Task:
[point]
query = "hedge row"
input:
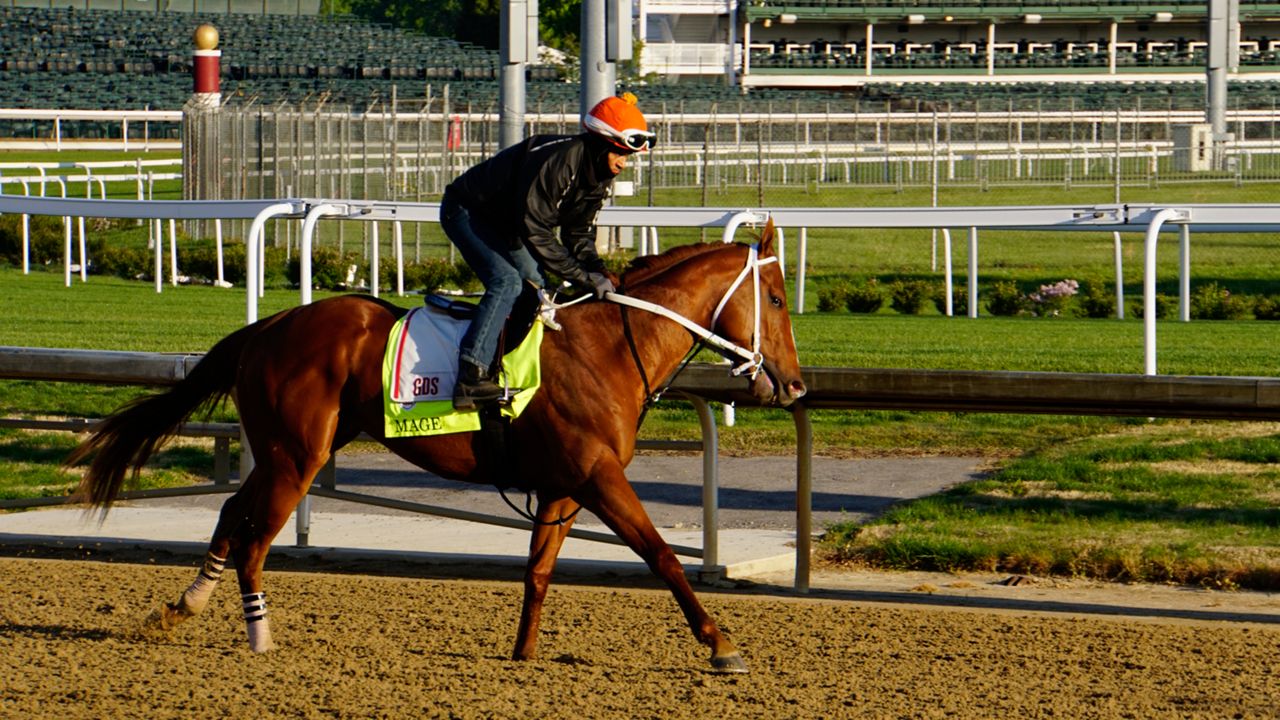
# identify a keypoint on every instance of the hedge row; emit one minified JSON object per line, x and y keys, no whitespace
{"x":198,"y":262}
{"x":1066,"y":298}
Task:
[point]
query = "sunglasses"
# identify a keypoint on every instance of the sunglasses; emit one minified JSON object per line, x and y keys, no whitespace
{"x":637,"y":140}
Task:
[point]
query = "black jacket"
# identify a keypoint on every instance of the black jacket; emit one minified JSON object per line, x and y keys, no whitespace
{"x":529,"y":189}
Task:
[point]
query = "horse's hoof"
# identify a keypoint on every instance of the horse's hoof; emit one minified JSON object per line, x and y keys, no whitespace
{"x":165,"y":618}
{"x":732,"y":663}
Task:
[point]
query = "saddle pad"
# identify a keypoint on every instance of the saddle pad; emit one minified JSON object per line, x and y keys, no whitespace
{"x":420,"y":368}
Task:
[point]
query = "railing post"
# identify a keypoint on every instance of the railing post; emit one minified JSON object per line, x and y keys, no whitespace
{"x":221,"y":461}
{"x":973,"y":272}
{"x":801,"y":261}
{"x":711,"y":569}
{"x":1118,"y":250}
{"x":254,"y":253}
{"x":804,"y":496}
{"x":1149,"y":284}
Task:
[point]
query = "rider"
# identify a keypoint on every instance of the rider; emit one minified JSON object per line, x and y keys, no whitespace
{"x":503,"y":213}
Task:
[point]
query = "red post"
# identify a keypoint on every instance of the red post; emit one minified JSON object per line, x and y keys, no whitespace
{"x":207,"y":65}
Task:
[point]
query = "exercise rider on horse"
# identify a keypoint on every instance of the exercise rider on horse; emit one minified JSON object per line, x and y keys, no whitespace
{"x":503,"y":213}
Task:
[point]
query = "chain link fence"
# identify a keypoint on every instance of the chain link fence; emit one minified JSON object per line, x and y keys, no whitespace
{"x":411,"y":150}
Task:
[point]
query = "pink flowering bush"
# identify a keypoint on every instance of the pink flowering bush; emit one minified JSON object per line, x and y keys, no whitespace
{"x":1052,"y":300}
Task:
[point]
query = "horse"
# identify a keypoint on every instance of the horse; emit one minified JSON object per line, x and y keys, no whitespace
{"x":307,"y":381}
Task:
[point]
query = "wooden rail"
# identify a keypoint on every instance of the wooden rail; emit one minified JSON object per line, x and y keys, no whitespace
{"x":1166,"y":396}
{"x":1171,"y":396}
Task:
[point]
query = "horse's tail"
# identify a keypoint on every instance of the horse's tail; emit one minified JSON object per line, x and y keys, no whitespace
{"x":124,"y":440}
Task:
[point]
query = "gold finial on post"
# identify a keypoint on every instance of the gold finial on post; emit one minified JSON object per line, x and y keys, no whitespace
{"x":205,"y":37}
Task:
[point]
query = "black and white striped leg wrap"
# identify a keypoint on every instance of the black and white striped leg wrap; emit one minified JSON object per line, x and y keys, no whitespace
{"x":255,"y":618}
{"x":197,"y":596}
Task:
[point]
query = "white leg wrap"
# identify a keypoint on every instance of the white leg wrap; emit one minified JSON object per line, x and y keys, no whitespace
{"x":197,"y":596}
{"x":255,"y":618}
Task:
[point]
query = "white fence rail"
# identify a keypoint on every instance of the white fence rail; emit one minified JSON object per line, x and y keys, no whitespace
{"x":1151,"y":220}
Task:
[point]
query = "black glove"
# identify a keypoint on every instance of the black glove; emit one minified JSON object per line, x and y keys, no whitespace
{"x":600,"y":284}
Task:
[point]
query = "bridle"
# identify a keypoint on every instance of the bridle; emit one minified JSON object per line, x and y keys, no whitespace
{"x":753,"y":359}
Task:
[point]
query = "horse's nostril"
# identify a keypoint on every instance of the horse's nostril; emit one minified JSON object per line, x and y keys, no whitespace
{"x":797,"y":388}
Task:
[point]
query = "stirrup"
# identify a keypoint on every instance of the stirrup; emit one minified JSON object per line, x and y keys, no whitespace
{"x":483,"y":389}
{"x":466,"y":398}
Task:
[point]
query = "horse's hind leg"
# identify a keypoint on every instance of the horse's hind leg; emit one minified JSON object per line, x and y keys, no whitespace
{"x":196,"y":597}
{"x":614,"y":501}
{"x":554,"y":520}
{"x":278,"y":485}
{"x":249,"y":521}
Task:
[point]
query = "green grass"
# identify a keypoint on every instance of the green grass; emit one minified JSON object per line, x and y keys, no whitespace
{"x":1165,"y":502}
{"x":1189,"y":502}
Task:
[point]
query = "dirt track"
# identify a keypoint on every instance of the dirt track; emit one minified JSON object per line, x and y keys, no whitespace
{"x":365,"y":646}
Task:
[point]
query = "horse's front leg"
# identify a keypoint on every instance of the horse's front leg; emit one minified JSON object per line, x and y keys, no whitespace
{"x":613,"y":500}
{"x":554,"y":518}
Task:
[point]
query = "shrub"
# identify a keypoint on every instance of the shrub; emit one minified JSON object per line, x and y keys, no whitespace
{"x":1052,"y":300}
{"x":1212,"y":302}
{"x":616,"y":262}
{"x":1097,"y":302}
{"x":959,"y":299}
{"x":1004,"y":299}
{"x":866,"y":297}
{"x":435,"y":273}
{"x":123,"y":262}
{"x":275,"y":268}
{"x":1165,"y":306}
{"x":1267,"y":308}
{"x":48,"y":237}
{"x":428,"y":276}
{"x":908,"y":296}
{"x":833,"y":298}
{"x":466,"y":278}
{"x":328,"y":268}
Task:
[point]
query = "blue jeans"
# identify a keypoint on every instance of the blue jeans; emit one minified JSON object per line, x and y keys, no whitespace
{"x":500,"y":268}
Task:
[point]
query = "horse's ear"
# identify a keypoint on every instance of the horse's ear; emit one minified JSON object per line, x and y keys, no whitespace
{"x":766,"y":238}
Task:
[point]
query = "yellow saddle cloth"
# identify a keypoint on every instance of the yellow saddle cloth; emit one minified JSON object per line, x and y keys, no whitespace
{"x":420,"y":368}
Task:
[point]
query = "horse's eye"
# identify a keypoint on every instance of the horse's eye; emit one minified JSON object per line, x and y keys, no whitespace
{"x":775,"y":301}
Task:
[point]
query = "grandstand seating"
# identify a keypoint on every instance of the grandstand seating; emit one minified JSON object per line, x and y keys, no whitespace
{"x":60,"y":57}
{"x":1057,"y":54}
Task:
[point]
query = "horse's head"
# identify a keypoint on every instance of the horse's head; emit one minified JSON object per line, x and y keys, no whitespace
{"x":755,"y":316}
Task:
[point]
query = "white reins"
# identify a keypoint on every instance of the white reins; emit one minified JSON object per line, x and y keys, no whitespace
{"x":753,"y":359}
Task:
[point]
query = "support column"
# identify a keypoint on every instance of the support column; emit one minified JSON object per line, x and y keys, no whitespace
{"x":598,"y":74}
{"x":991,"y":48}
{"x":1111,"y":47}
{"x":871,"y":36}
{"x":518,"y":45}
{"x":201,"y":147}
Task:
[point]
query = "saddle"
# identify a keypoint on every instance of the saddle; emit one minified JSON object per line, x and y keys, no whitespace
{"x":491,"y":442}
{"x":518,"y":323}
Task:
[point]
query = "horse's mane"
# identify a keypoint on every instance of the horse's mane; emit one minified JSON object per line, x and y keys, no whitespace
{"x":643,"y":269}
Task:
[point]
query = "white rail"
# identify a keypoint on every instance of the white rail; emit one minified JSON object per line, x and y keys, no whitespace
{"x":1150,"y":219}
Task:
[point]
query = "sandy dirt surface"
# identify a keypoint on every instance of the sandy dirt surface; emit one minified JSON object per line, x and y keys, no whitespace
{"x":72,"y":646}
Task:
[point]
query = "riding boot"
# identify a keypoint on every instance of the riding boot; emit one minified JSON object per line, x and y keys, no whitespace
{"x":475,"y":385}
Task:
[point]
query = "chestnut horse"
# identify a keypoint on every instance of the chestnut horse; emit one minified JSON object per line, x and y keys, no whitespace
{"x":307,"y":381}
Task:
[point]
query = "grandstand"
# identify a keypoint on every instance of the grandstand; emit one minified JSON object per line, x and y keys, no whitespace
{"x":66,"y":57}
{"x":70,"y":57}
{"x":853,"y":43}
